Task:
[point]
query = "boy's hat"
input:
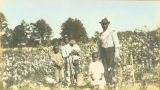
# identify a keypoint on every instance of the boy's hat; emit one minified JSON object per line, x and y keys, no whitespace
{"x":72,"y":42}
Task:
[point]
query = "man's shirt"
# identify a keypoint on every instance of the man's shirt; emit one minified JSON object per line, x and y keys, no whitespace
{"x":109,"y":38}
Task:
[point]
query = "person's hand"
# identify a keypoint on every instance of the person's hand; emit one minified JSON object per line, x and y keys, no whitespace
{"x":92,"y":77}
{"x":53,"y":62}
{"x":116,"y":59}
{"x":59,"y":67}
{"x":100,"y":78}
{"x":74,"y":52}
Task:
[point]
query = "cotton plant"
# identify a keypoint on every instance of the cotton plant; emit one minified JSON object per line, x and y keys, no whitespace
{"x":34,"y":64}
{"x":22,"y":66}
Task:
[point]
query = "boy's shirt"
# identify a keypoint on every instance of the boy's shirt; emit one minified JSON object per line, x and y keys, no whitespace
{"x":57,"y":58}
{"x":66,"y":50}
{"x":76,"y":48}
{"x":96,"y":69}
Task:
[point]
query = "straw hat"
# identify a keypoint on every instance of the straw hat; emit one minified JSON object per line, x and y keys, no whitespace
{"x":72,"y":42}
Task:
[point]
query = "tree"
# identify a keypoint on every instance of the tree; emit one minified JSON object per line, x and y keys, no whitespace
{"x":44,"y":30}
{"x":95,"y":37}
{"x":74,"y":29}
{"x":19,"y":35}
{"x":56,"y":41}
{"x":6,"y":38}
{"x":3,"y":22}
{"x":5,"y":31}
{"x":33,"y":35}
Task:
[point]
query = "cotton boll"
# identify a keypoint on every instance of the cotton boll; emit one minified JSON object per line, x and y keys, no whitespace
{"x":4,"y":84}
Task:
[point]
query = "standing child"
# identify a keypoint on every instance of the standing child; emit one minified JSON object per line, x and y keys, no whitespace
{"x":74,"y":62}
{"x":96,"y":71}
{"x":66,"y":50}
{"x":56,"y":57}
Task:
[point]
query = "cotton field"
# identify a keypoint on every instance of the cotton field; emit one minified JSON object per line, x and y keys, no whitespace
{"x":139,"y":63}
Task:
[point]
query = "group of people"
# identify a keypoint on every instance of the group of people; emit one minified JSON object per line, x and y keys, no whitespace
{"x":103,"y":66}
{"x":66,"y":62}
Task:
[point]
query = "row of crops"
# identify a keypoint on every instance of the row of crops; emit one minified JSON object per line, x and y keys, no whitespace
{"x":139,"y":58}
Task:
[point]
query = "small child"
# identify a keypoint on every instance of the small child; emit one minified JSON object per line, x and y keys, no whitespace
{"x":96,"y":71}
{"x":56,"y":57}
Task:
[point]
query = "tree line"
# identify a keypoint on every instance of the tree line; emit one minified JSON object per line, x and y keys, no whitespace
{"x":39,"y":33}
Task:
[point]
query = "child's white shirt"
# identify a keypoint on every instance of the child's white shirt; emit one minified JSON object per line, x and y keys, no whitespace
{"x":96,"y":69}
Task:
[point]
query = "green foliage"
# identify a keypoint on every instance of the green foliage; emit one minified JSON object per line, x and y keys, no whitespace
{"x":19,"y":35}
{"x":6,"y":36}
{"x":3,"y":22}
{"x":33,"y":36}
{"x":144,"y":46}
{"x":31,"y":65}
{"x":145,"y":61}
{"x":95,"y":37}
{"x":44,"y":30}
{"x":74,"y":29}
{"x":56,"y":41}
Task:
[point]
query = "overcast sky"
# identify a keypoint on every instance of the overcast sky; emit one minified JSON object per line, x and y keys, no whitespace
{"x":123,"y":15}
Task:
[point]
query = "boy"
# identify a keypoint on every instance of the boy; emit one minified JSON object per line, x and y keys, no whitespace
{"x":66,"y":50}
{"x":96,"y":70}
{"x":74,"y":61}
{"x":56,"y":57}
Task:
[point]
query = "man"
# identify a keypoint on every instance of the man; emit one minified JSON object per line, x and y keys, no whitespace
{"x":108,"y":48}
{"x":96,"y":70}
{"x":56,"y":57}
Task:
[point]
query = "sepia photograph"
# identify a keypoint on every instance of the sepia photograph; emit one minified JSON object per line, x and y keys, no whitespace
{"x":79,"y":45}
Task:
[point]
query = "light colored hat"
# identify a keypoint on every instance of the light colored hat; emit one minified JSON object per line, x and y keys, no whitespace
{"x":72,"y":42}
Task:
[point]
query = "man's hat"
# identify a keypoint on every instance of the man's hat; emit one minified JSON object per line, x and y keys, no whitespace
{"x":104,"y":21}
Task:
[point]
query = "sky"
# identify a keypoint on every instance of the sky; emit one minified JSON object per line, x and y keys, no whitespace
{"x":123,"y":15}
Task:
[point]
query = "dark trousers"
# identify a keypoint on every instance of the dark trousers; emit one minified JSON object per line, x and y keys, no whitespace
{"x":107,"y":56}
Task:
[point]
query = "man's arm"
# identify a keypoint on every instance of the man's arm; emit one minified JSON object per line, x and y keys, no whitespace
{"x":63,"y":52}
{"x":117,"y":45}
{"x":99,"y":47}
